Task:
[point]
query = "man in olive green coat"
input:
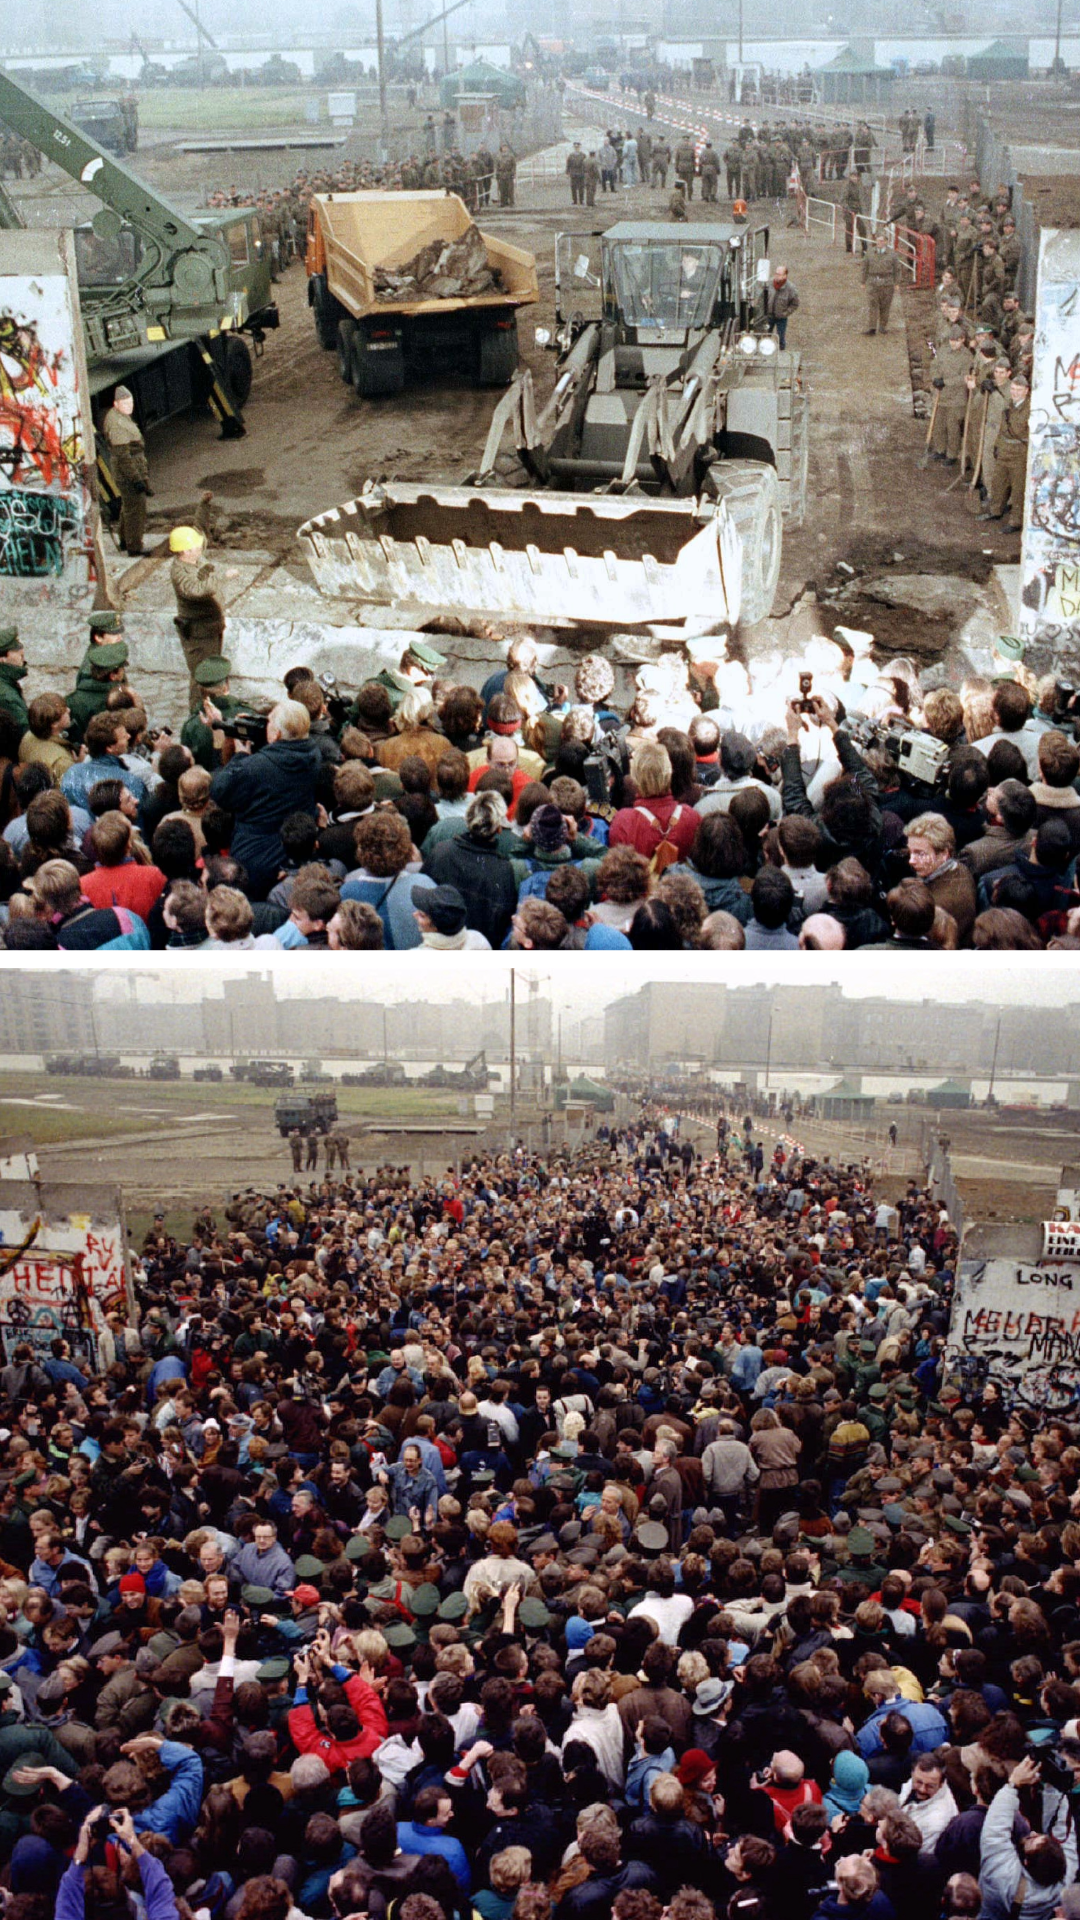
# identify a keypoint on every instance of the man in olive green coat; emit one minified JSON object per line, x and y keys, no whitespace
{"x":12,"y":671}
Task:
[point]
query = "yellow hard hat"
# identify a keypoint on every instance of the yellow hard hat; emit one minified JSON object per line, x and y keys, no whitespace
{"x":185,"y":539}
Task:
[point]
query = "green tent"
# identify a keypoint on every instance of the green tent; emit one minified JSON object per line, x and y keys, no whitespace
{"x":482,"y":77}
{"x":600,"y":1098}
{"x":1001,"y":60}
{"x":849,"y":79}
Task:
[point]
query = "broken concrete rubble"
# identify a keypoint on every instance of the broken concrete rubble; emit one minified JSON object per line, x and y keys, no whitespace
{"x":443,"y":270}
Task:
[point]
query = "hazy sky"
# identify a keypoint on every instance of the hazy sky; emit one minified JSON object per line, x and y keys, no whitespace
{"x":584,"y":983}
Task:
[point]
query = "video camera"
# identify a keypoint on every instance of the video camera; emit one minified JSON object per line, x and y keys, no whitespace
{"x":920,"y":756}
{"x":1065,"y":706}
{"x":247,"y":726}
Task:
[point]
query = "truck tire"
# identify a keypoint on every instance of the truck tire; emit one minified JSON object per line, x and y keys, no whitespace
{"x":327,"y":311}
{"x":377,"y":373}
{"x":346,"y":336}
{"x":238,"y":368}
{"x":497,"y":356}
{"x":752,"y":495}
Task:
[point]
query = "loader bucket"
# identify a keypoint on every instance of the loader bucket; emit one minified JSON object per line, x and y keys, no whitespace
{"x":559,"y":559}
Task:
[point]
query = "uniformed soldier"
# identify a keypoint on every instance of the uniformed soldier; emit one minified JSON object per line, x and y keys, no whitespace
{"x":201,"y":732}
{"x":418,"y":665}
{"x":854,"y":210}
{"x":953,"y":367}
{"x":991,"y":270}
{"x":487,"y":173}
{"x":200,"y":616}
{"x":1010,"y":250}
{"x":311,"y":1162}
{"x":677,"y":203}
{"x":296,"y":1144}
{"x":575,"y":169}
{"x":1011,"y":455}
{"x":710,"y":172}
{"x":995,"y":397}
{"x":343,"y":1146}
{"x":127,"y":453}
{"x":965,"y":247}
{"x":661,"y":161}
{"x":103,"y":666}
{"x":685,"y":162}
{"x":12,"y":670}
{"x":506,"y":175}
{"x":733,"y":169}
{"x":592,"y":178}
{"x":882,"y":272}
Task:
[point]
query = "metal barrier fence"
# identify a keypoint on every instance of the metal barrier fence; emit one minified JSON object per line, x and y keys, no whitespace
{"x":995,"y":167}
{"x":828,"y":217}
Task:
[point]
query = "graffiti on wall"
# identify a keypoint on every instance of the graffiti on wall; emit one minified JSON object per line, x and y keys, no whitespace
{"x":60,"y":1280}
{"x":37,"y":533}
{"x":1018,"y":1325}
{"x":1050,"y":589}
{"x":42,"y":455}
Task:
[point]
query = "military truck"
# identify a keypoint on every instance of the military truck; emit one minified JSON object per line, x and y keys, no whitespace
{"x":164,"y":1066}
{"x":207,"y":1073}
{"x":388,"y":1073}
{"x":270,"y":1073}
{"x":310,"y":1112}
{"x":112,"y":123}
{"x":360,"y":246}
{"x":672,"y":409}
{"x":473,"y":1077}
{"x":166,"y":298}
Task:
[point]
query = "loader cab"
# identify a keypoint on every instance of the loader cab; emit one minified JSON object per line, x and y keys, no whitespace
{"x":663,"y":285}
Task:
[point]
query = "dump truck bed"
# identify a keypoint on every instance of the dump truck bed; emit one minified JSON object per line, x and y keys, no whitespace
{"x":565,"y":559}
{"x":361,"y":232}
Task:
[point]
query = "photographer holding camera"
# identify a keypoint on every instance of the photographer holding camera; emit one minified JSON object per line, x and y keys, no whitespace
{"x":1025,"y":1881}
{"x":98,"y":1875}
{"x":261,"y":787}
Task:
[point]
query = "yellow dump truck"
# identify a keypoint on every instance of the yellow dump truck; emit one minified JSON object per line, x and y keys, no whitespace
{"x":404,"y":282}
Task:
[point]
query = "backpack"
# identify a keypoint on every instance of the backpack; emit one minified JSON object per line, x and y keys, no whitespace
{"x":665,"y":854}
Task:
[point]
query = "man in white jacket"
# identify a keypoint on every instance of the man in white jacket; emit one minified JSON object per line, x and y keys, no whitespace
{"x":928,"y":1800}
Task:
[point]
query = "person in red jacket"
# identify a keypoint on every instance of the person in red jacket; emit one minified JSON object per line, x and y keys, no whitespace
{"x":352,"y":1728}
{"x":655,"y":819}
{"x":119,"y":880}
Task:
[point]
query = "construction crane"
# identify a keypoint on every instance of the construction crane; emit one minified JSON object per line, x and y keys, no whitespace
{"x":155,"y":282}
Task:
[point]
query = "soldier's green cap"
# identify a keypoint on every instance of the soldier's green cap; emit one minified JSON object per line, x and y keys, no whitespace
{"x":24,"y":1479}
{"x":1026,"y":1475}
{"x":213,"y":672}
{"x":398,"y":1526}
{"x":425,"y":1600}
{"x":257,"y":1596}
{"x":860,"y":1541}
{"x":483,"y":1477}
{"x":276,"y":1668}
{"x":879,"y":1391}
{"x":110,"y":655}
{"x":651,"y":1536}
{"x":533,"y":1614}
{"x":19,"y":1789}
{"x":454,"y":1607}
{"x":9,"y":639}
{"x":427,"y":656}
{"x":400,"y":1636}
{"x":162,"y":1644}
{"x":894,"y":1515}
{"x":956,"y":1525}
{"x":357,"y":1546}
{"x":106,"y":620}
{"x":308,"y":1568}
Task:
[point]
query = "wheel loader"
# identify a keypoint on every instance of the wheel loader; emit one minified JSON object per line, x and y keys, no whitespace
{"x":648,"y":492}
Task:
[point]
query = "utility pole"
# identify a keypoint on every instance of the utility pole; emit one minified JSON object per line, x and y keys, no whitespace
{"x":513,"y":1053}
{"x":1057,"y":41}
{"x":997,"y":1029}
{"x":768,"y":1049}
{"x":384,"y":122}
{"x":385,"y":1045}
{"x":740,"y":44}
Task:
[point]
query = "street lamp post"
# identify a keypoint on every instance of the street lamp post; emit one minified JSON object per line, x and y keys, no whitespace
{"x":384,"y":123}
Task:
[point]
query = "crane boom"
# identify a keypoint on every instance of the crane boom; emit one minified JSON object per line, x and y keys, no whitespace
{"x":198,"y":25}
{"x":181,"y":280}
{"x":9,"y":212}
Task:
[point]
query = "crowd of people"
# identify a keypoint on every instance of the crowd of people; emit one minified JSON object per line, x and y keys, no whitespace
{"x":578,"y":1535}
{"x":845,"y":806}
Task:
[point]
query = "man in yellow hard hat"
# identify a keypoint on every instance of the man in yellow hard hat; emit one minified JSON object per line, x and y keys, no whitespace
{"x":200,"y":615}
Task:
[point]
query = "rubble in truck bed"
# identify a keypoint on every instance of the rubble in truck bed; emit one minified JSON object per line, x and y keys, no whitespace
{"x":443,"y":270}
